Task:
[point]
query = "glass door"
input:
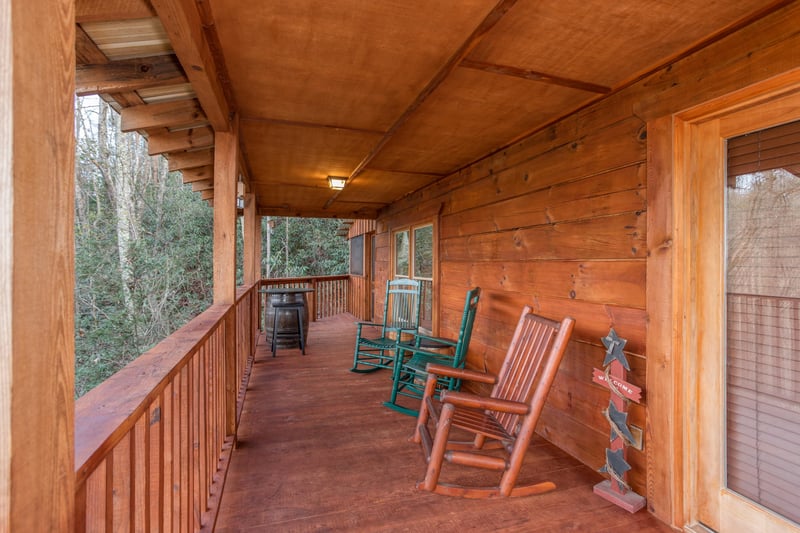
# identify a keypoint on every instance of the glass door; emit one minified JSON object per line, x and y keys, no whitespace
{"x":742,"y":340}
{"x":762,"y":440}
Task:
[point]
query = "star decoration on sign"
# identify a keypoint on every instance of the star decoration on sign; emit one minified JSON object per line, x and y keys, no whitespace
{"x":619,"y":424}
{"x":614,"y":346}
{"x":616,"y":466}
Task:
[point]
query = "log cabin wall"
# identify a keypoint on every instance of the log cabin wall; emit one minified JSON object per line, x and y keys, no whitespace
{"x":559,"y":220}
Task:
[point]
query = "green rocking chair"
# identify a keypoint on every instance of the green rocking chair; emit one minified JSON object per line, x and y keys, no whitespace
{"x":400,"y":320}
{"x":408,"y":378}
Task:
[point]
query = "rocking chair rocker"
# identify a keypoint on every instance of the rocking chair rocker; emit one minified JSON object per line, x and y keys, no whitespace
{"x":504,"y":421}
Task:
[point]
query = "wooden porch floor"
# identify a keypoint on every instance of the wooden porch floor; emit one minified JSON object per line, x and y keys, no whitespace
{"x":318,"y":452}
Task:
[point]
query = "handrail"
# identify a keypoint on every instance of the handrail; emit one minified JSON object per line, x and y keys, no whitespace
{"x":152,"y":441}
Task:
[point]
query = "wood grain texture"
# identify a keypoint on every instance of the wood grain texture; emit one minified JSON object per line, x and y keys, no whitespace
{"x":91,"y":10}
{"x":226,"y":154}
{"x":42,"y":36}
{"x":6,"y":257}
{"x":162,"y":115}
{"x":127,"y":75}
{"x":183,"y":24}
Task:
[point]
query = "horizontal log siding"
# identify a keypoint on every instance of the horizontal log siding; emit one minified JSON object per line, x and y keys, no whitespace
{"x":151,"y":447}
{"x":558,"y":220}
{"x":565,"y":231}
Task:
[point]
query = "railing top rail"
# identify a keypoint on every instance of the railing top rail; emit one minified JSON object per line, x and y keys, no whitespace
{"x":305,"y":279}
{"x":242,"y":290}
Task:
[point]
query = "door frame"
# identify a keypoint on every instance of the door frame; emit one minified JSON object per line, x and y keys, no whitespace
{"x":698,"y":299}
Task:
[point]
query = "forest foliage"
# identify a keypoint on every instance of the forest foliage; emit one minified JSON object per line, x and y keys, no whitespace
{"x":144,"y":243}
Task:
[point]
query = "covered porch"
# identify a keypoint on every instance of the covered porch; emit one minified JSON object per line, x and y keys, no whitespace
{"x":317,"y":451}
{"x":565,"y":155}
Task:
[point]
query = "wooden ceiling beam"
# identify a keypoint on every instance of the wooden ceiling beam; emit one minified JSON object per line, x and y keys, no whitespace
{"x":102,"y":10}
{"x":534,"y":76}
{"x":490,"y":21}
{"x":129,"y":75}
{"x":180,"y":141}
{"x":202,"y":185}
{"x":190,"y":175}
{"x":282,"y":211}
{"x":207,"y":195}
{"x":314,"y":125}
{"x":163,"y":115}
{"x":184,"y":27}
{"x":184,"y":160}
{"x":87,"y":52}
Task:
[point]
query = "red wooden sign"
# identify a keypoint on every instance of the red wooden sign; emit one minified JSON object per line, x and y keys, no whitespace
{"x":631,"y":392}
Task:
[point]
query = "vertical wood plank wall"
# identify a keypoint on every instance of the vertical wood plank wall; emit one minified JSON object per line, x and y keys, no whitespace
{"x":360,"y":286}
{"x":559,"y":221}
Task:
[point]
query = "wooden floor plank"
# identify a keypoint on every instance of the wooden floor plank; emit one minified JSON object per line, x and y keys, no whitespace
{"x":317,"y":451}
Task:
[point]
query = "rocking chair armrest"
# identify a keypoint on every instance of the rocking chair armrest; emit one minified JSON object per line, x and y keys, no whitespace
{"x":420,"y":337}
{"x":465,"y":399}
{"x":361,"y":324}
{"x":460,"y":373}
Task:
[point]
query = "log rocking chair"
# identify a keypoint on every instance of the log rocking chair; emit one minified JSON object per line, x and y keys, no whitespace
{"x":400,"y":321}
{"x":409,"y":372}
{"x":502,"y":424}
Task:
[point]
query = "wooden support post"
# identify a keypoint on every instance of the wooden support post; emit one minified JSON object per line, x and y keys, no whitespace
{"x":252,"y":260}
{"x":37,"y":73}
{"x":225,"y":177}
{"x":616,"y":489}
{"x":252,"y":240}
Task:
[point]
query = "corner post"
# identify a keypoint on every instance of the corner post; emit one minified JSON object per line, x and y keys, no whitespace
{"x":37,"y":272}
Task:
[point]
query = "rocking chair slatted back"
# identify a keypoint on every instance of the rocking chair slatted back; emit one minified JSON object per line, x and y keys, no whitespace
{"x":400,"y":320}
{"x":402,"y":305}
{"x":523,"y":364}
{"x":413,"y":358}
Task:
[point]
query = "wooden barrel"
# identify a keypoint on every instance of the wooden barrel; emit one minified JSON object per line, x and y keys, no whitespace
{"x":287,"y":319}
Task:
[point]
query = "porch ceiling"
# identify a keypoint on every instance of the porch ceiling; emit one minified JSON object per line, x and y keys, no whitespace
{"x":392,"y":95}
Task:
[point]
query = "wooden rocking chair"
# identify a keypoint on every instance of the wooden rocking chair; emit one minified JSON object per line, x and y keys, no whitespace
{"x":503,"y":421}
{"x":409,"y":372}
{"x":400,"y":319}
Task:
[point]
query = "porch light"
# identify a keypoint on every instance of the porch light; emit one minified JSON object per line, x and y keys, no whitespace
{"x":336,"y":182}
{"x":240,"y":193}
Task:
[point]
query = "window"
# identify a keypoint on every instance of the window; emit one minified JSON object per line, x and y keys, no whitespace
{"x":414,"y":258}
{"x":357,"y":255}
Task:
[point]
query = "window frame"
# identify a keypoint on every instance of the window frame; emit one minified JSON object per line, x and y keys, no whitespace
{"x":410,"y":230}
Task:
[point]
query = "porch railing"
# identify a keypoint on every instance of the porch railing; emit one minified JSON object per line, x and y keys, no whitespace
{"x":330,"y":294}
{"x":153,"y":441}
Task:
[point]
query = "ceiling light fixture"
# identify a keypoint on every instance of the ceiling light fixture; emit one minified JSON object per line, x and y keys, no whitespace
{"x":240,"y":193}
{"x":336,"y":182}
